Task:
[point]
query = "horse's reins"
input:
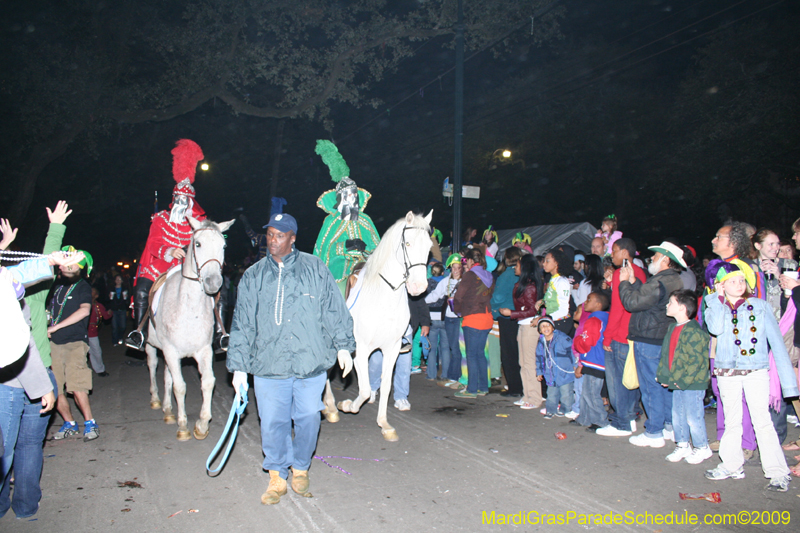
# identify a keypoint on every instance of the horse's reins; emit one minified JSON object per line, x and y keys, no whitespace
{"x":406,"y":260}
{"x":197,"y":268}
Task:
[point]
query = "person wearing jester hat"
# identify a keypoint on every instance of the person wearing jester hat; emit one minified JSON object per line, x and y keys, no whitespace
{"x":746,"y":332}
{"x":490,"y":240}
{"x":170,"y":232}
{"x":522,"y":241}
{"x":347,"y":236}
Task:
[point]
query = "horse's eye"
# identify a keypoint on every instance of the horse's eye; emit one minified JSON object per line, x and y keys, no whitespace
{"x":224,"y":246}
{"x":197,"y":245}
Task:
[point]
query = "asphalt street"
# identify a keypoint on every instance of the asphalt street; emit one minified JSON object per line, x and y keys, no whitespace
{"x":457,"y":462}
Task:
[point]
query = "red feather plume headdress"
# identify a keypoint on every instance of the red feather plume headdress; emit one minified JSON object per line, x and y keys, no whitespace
{"x":185,"y":156}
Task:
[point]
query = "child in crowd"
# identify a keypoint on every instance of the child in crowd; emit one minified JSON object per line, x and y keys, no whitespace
{"x":608,"y":232}
{"x":437,"y":338}
{"x":746,"y":329}
{"x":556,"y":366}
{"x":591,"y":361}
{"x":558,"y":292}
{"x":96,"y":317}
{"x":684,"y":370}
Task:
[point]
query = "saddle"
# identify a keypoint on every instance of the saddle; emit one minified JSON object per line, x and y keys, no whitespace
{"x":152,"y":301}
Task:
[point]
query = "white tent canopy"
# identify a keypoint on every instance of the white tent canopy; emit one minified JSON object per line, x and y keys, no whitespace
{"x":579,"y":235}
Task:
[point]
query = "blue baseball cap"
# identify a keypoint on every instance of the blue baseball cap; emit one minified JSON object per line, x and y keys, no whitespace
{"x":282,"y":222}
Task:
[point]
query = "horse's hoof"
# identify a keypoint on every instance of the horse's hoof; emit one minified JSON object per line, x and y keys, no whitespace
{"x":169,"y":419}
{"x":184,"y":435}
{"x":332,"y":417}
{"x":198,"y":435}
{"x":390,"y":435}
{"x":345,"y":405}
{"x":155,"y":405}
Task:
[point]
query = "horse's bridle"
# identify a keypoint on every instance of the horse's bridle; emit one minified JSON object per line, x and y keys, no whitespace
{"x":407,"y":264}
{"x":197,"y":266}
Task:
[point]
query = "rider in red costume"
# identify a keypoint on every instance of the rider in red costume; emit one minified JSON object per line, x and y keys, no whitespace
{"x":169,"y":234}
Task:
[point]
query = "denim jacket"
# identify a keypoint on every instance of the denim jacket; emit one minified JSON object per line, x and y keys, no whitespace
{"x":718,"y":321}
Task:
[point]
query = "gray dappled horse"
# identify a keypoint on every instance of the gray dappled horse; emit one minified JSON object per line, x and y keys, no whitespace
{"x":379,"y":306}
{"x":183,"y":325}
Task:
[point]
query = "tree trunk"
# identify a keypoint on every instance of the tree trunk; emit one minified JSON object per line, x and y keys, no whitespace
{"x":41,"y":155}
{"x":276,"y":161}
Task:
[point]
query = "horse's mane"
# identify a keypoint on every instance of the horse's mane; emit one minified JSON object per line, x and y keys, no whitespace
{"x":383,"y":252}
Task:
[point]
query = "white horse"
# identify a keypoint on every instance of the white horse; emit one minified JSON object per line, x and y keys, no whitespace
{"x":379,"y":307}
{"x":183,"y":325}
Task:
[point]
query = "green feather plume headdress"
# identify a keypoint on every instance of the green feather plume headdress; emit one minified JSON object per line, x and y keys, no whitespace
{"x":331,"y":157}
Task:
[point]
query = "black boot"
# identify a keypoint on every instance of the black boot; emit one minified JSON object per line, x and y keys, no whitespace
{"x":137,"y":338}
{"x":220,"y":342}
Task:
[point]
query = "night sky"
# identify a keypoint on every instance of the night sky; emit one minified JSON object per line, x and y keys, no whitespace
{"x":672,"y":115}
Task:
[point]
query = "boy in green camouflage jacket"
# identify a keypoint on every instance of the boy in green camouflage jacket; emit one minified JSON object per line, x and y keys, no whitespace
{"x":684,"y":370}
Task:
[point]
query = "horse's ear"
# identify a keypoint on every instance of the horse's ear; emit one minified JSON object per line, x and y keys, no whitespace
{"x":410,"y":217}
{"x":224,"y":226}
{"x":429,"y":217}
{"x":194,"y":223}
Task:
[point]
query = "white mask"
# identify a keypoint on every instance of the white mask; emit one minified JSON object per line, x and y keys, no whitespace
{"x":180,"y":205}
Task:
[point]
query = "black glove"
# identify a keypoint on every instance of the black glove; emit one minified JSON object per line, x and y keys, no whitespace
{"x":355,"y":244}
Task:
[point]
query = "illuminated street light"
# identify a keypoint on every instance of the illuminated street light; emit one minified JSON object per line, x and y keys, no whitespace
{"x":506,"y":153}
{"x":204,"y":166}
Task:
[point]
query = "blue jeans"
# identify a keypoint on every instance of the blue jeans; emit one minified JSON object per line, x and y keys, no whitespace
{"x":282,"y":402}
{"x":118,"y":324}
{"x":622,"y":399}
{"x":440,"y":350}
{"x":402,"y":374}
{"x":689,"y":417}
{"x":24,"y":430}
{"x":592,"y":409}
{"x":563,"y":395}
{"x":453,"y":328}
{"x":477,"y":365}
{"x":578,"y":386}
{"x":657,"y":400}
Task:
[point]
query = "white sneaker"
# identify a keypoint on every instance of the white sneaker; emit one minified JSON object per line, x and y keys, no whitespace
{"x":372,"y":396}
{"x":402,"y":405}
{"x":792,"y":419}
{"x":520,"y":401}
{"x":681,"y":451}
{"x":543,"y":411}
{"x":668,"y":434}
{"x":643,"y":440}
{"x":611,"y":431}
{"x":572,"y":415}
{"x":699,"y":455}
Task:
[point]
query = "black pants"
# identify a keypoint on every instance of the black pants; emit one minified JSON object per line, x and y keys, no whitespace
{"x":509,"y":353}
{"x":140,"y":299}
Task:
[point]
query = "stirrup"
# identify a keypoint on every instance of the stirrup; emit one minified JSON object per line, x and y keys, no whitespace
{"x":220,"y":343}
{"x":135,"y":340}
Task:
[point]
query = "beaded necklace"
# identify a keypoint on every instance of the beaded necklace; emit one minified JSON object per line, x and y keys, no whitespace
{"x":753,"y":340}
{"x":55,"y":321}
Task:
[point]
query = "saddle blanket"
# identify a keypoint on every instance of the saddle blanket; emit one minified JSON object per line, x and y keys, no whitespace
{"x":157,"y":295}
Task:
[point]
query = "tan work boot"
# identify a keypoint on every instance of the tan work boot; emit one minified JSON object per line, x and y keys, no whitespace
{"x":275,"y":489}
{"x":300,"y":482}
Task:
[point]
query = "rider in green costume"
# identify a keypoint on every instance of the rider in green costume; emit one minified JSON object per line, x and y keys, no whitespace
{"x":347,"y":236}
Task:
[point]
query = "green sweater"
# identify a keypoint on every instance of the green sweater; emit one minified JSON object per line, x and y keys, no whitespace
{"x":36,"y":296}
{"x":690,"y":364}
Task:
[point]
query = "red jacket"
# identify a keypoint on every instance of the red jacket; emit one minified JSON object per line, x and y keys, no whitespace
{"x":163,"y":236}
{"x":618,"y":317}
{"x":98,"y":314}
{"x":525,"y":305}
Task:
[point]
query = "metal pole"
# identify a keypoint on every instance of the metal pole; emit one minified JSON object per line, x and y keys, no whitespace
{"x":459,"y":128}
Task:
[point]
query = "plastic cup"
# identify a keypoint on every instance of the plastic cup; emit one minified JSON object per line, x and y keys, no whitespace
{"x":789,"y":274}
